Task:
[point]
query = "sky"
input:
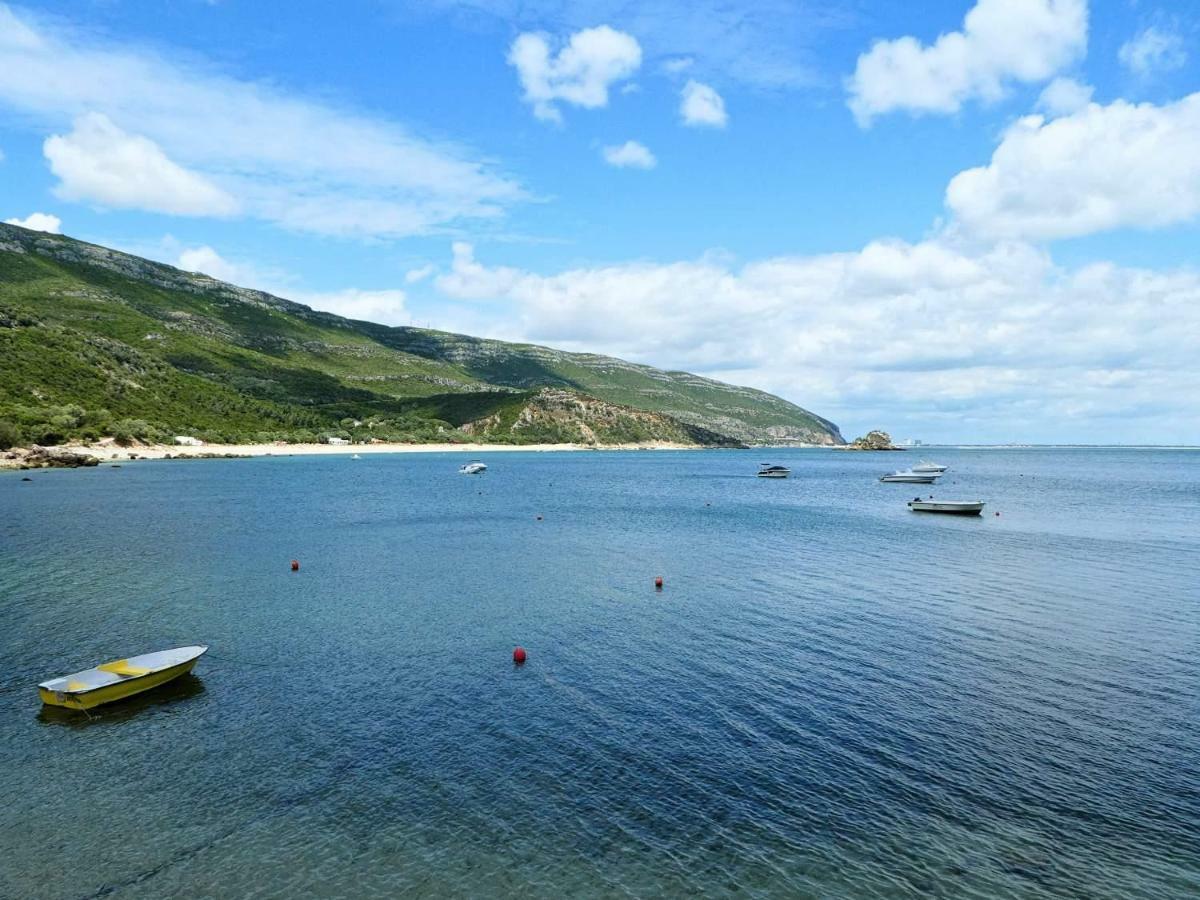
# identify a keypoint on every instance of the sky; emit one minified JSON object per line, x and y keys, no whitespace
{"x":960,"y":221}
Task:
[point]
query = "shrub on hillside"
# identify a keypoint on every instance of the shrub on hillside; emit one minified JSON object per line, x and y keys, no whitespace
{"x":10,"y":435}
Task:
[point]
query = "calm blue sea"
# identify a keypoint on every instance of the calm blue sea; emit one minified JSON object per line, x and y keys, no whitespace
{"x":831,"y":696}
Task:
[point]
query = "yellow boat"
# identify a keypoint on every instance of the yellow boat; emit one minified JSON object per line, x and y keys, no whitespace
{"x":119,"y":679}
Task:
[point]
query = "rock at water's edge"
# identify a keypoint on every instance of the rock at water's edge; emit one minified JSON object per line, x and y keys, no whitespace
{"x":874,"y":440}
{"x":57,"y":458}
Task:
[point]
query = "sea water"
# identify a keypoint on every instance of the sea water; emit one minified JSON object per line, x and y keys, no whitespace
{"x":830,"y":697}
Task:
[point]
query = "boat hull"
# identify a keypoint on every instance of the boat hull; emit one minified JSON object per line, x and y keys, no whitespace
{"x":112,"y":692}
{"x":948,"y":509}
{"x":909,"y":479}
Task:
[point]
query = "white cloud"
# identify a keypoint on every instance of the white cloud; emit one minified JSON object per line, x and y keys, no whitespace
{"x":207,"y":261}
{"x":700,"y":105}
{"x":469,"y":280}
{"x":98,"y":162}
{"x":678,"y":65}
{"x":385,"y":307}
{"x":1152,"y":51}
{"x":630,"y":155}
{"x":1100,"y":168}
{"x":1001,"y":41}
{"x":768,"y":43}
{"x":993,"y":344}
{"x":412,"y":276}
{"x":1063,"y":96}
{"x":580,"y":73}
{"x":300,"y":163}
{"x":38,"y":221}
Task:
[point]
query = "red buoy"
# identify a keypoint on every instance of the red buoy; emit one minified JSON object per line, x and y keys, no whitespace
{"x":519,"y":655}
{"x":295,"y":565}
{"x":658,"y":583}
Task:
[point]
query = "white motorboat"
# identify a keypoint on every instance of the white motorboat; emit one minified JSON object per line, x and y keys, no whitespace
{"x":356,"y":456}
{"x":769,"y":471}
{"x":951,"y":507}
{"x":924,"y":466}
{"x":908,"y":476}
{"x":473,"y":468}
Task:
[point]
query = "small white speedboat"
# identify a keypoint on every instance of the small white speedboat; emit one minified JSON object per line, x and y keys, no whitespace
{"x":473,"y":468}
{"x":951,"y":507}
{"x":924,"y":466}
{"x":769,"y":471}
{"x":356,"y":456}
{"x":908,"y":476}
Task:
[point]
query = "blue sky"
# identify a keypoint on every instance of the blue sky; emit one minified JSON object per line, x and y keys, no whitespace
{"x":966,"y":220}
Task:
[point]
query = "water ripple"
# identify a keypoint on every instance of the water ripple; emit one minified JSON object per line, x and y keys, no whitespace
{"x":830,"y":697}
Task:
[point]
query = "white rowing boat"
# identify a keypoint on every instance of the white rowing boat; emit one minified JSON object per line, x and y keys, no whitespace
{"x":950,"y":507}
{"x":908,"y":476}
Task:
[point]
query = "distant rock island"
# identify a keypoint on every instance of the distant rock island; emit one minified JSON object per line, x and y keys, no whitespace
{"x":100,"y":344}
{"x":872,"y":440}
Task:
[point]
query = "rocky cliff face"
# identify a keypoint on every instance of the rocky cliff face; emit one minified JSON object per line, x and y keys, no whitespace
{"x":580,"y":419}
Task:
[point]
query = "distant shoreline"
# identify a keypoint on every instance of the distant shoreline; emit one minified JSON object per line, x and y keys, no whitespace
{"x":109,"y":453}
{"x":113,"y":453}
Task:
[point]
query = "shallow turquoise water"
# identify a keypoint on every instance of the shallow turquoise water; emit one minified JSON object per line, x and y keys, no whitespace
{"x":831,"y":696}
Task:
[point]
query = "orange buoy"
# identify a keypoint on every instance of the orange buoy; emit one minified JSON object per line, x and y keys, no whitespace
{"x":658,"y":583}
{"x":295,"y":565}
{"x":519,"y":655}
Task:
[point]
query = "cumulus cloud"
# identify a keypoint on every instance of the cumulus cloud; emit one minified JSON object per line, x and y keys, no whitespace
{"x":581,"y":73}
{"x":1100,"y":168}
{"x":767,"y":43}
{"x":38,"y":221}
{"x":207,"y":261}
{"x":98,"y":162}
{"x":385,"y":307}
{"x":470,"y":280}
{"x":1001,"y":41}
{"x":1151,"y":52}
{"x":1064,"y":96}
{"x":630,"y":155}
{"x":925,"y":333}
{"x":301,"y":163}
{"x":702,"y":106}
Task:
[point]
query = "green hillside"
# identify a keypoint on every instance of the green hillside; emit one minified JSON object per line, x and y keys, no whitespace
{"x":94,"y":342}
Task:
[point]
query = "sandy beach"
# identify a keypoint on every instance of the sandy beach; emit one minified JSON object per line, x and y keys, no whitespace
{"x":112,"y":452}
